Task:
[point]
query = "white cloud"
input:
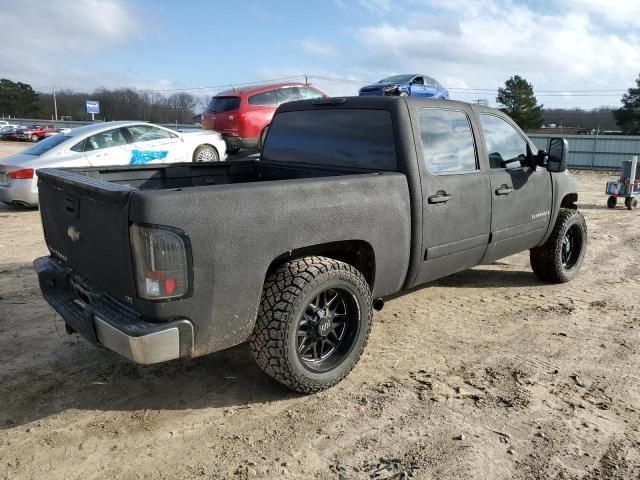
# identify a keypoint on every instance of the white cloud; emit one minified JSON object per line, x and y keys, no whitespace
{"x":491,"y":40}
{"x":65,"y":26}
{"x":39,"y":38}
{"x":625,"y":13}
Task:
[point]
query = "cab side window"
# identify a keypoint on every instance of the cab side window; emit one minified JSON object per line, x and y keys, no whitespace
{"x":447,"y":141}
{"x":506,"y":147}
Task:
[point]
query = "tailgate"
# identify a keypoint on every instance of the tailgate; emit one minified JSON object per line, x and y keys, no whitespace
{"x":86,"y":225}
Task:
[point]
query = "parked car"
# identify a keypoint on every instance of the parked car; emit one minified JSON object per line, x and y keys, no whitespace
{"x":33,"y":133}
{"x":3,"y":123}
{"x":8,"y":131}
{"x":113,"y":143}
{"x":411,"y":84}
{"x":242,"y":115}
{"x":57,"y":131}
{"x":353,"y":200}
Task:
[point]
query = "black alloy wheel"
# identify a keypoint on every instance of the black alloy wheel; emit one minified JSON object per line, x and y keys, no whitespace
{"x":327,"y":329}
{"x":572,"y":247}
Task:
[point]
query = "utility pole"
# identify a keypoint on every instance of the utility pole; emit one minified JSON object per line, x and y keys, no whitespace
{"x":55,"y":104}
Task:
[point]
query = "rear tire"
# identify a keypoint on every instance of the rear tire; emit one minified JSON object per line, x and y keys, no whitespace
{"x":612,"y":202}
{"x":631,"y":203}
{"x":205,"y":153}
{"x":561,"y":256}
{"x":313,"y":323}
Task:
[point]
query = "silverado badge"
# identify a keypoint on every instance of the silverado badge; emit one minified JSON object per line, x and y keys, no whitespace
{"x":73,"y":233}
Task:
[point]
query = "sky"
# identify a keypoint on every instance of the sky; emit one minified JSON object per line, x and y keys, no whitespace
{"x":576,"y":53}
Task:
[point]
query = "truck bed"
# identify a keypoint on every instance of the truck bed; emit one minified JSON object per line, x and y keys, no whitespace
{"x":185,"y":175}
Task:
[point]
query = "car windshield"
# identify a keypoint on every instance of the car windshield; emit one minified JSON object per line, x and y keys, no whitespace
{"x":47,"y":144}
{"x":397,"y":79}
{"x":223,"y":104}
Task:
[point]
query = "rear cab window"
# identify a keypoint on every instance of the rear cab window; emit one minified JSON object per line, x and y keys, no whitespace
{"x":223,"y":104}
{"x":354,"y":138}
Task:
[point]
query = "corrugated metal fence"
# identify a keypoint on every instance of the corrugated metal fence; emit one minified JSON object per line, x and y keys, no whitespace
{"x":75,"y":123}
{"x":604,"y":152}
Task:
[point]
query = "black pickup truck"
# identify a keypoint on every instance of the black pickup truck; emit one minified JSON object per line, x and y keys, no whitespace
{"x":352,"y":200}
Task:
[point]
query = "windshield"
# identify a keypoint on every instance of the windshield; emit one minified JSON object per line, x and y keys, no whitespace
{"x":223,"y":104}
{"x":47,"y":144}
{"x":397,"y":79}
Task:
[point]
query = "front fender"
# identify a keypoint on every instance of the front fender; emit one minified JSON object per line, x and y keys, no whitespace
{"x":563,"y":185}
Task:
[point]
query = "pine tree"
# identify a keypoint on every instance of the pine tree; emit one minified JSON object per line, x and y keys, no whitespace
{"x":628,"y":117}
{"x":520,"y":103}
{"x":17,"y":99}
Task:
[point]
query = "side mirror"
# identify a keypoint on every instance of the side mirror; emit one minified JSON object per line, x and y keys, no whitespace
{"x":558,"y":152}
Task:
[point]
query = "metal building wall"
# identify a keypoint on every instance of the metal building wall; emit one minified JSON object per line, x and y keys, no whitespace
{"x":595,"y":151}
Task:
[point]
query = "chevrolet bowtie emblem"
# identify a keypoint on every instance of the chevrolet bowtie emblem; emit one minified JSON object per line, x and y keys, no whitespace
{"x":73,"y":233}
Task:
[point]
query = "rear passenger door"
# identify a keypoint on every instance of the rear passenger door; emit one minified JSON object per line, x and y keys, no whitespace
{"x":456,"y":201}
{"x":110,"y":147}
{"x":520,"y":197}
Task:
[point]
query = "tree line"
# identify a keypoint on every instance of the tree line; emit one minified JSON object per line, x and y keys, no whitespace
{"x":20,"y":100}
{"x":516,"y":98}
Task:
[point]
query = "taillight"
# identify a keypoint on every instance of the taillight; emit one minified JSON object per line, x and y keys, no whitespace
{"x":25,"y":174}
{"x":161,"y":261}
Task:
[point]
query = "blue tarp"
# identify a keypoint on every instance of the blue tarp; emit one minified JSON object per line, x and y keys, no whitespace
{"x":142,"y":157}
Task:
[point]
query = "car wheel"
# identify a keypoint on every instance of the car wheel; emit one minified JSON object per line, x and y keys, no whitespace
{"x":561,"y":256}
{"x":611,"y":202}
{"x":205,"y":153}
{"x":34,"y":138}
{"x":313,"y":323}
{"x":631,"y":203}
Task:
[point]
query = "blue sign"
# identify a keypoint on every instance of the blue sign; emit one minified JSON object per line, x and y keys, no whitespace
{"x":93,"y":106}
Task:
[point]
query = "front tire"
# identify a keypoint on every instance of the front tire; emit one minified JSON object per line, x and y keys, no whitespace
{"x":612,"y":202}
{"x":205,"y":153}
{"x":561,"y":256}
{"x":34,"y":138}
{"x":313,"y":323}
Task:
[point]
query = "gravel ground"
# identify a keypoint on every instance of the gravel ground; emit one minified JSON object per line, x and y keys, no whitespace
{"x":486,"y":374}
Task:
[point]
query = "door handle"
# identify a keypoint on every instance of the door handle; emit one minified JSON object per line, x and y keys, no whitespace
{"x":504,"y":190}
{"x":440,"y":197}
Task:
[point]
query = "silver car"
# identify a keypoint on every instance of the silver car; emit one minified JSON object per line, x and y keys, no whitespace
{"x":113,"y":143}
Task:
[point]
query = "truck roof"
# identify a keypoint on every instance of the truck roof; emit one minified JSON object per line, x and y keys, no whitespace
{"x":373,"y":102}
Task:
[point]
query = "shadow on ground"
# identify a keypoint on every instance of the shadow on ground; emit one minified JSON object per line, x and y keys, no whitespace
{"x":46,"y":372}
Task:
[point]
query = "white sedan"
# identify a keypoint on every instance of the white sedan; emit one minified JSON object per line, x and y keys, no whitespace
{"x":95,"y":145}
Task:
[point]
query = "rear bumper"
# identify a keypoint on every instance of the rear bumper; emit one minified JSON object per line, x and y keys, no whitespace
{"x":104,"y":321}
{"x":20,"y":192}
{"x":237,"y":142}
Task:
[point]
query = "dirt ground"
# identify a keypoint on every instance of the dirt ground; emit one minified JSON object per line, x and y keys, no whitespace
{"x":486,"y":374}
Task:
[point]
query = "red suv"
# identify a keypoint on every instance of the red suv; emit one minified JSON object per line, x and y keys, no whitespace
{"x":242,"y":115}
